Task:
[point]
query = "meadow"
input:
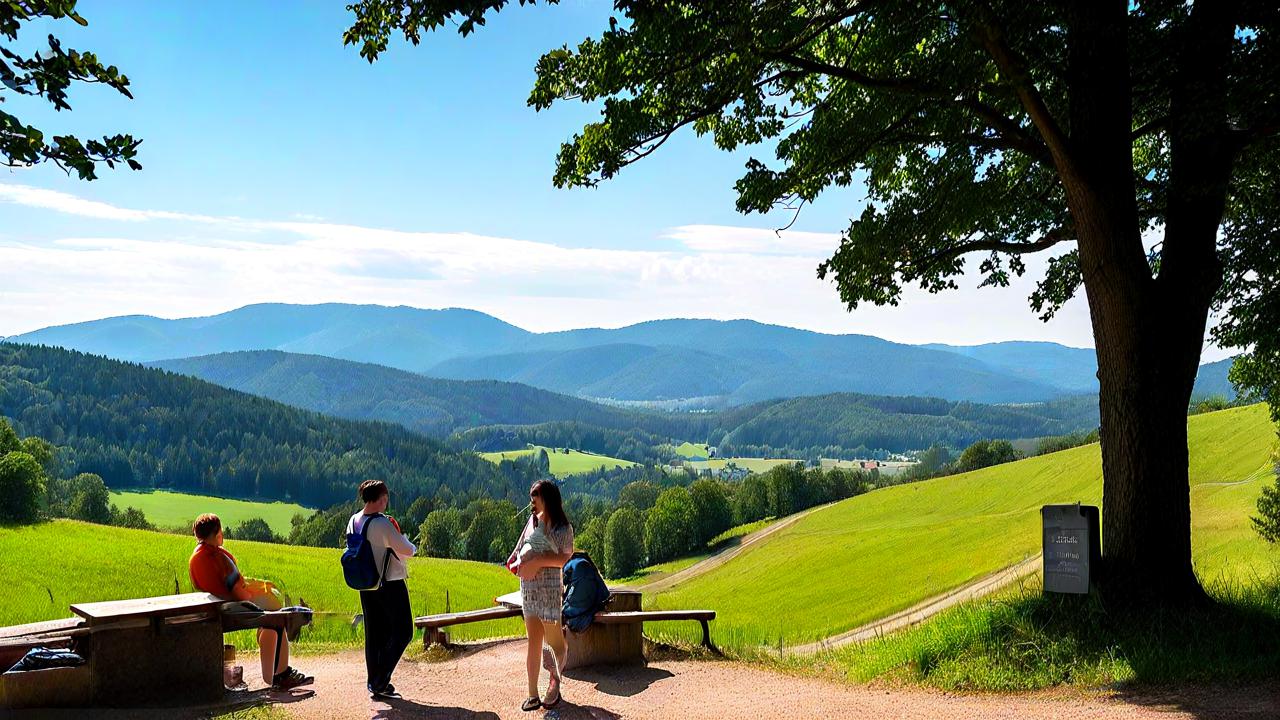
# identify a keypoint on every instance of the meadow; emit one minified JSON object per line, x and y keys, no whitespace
{"x":562,"y":464}
{"x":97,"y":562}
{"x":756,"y":465}
{"x":173,"y":510}
{"x":692,"y":450}
{"x":875,"y":554}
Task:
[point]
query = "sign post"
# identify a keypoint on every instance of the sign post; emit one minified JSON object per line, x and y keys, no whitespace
{"x":1071,"y":547}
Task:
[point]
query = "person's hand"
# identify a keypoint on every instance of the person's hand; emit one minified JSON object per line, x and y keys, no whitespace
{"x":527,"y":570}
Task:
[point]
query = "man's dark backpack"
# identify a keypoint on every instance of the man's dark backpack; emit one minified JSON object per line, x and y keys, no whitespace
{"x":358,"y":566}
{"x":585,"y":593}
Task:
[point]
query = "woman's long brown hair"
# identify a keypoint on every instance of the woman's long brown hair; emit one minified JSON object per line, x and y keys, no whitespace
{"x":551,"y":502}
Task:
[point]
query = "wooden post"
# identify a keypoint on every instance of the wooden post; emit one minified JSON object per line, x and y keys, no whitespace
{"x":609,"y":644}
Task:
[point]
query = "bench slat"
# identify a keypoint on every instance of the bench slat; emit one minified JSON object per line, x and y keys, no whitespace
{"x":616,"y":618}
{"x":39,"y":628}
{"x":470,"y":616}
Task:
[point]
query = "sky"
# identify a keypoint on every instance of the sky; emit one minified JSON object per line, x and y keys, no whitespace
{"x":279,"y":166}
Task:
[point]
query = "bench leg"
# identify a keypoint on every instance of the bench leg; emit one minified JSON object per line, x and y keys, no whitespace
{"x":431,"y":636}
{"x":706,"y":638}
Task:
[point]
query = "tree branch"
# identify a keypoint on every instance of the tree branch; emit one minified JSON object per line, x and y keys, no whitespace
{"x":1047,"y":241}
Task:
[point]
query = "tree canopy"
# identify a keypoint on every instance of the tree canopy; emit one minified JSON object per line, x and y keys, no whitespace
{"x":48,"y":74}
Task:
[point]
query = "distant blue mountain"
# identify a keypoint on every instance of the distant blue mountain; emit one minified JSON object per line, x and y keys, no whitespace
{"x":727,"y":362}
{"x":1212,"y":380}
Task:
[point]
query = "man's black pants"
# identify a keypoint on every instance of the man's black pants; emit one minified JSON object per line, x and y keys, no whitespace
{"x":388,"y":630}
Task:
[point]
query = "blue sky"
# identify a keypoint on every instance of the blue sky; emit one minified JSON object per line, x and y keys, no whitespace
{"x":280,"y":166}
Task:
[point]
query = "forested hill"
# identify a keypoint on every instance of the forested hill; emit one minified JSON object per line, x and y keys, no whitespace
{"x":143,"y":427}
{"x":362,"y":391}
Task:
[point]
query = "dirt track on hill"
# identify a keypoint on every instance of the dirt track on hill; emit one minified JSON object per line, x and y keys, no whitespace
{"x":488,"y":684}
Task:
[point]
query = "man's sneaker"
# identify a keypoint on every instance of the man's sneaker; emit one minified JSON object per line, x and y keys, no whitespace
{"x":290,"y":678}
{"x":387,"y":691}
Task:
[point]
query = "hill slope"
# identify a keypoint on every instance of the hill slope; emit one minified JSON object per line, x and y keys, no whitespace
{"x":96,"y":562}
{"x":363,"y":391}
{"x":869,"y":556}
{"x":144,"y":427}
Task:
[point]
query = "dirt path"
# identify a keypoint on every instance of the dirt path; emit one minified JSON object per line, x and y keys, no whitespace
{"x":725,"y":555}
{"x":489,"y":685}
{"x":926,"y":609}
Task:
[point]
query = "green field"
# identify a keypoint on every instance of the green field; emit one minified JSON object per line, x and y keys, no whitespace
{"x":97,"y":562}
{"x":878,"y":553}
{"x":167,"y":509}
{"x":692,"y":450}
{"x":562,"y":464}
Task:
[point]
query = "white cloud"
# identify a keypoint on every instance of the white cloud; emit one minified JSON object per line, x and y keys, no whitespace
{"x":721,"y":272}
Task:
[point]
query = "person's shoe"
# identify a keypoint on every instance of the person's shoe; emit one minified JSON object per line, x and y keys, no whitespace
{"x":531,"y":703}
{"x":386,"y":692}
{"x":290,"y":678}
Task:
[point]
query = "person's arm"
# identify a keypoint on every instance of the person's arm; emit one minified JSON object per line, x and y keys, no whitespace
{"x":564,"y":541}
{"x":398,"y":543}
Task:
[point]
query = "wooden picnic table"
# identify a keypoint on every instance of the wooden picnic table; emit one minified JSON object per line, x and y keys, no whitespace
{"x":152,"y":608}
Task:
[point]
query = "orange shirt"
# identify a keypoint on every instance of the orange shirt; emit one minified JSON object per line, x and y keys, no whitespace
{"x":213,"y":570}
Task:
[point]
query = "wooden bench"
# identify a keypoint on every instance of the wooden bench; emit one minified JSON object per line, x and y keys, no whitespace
{"x":142,"y":651}
{"x":616,"y":636}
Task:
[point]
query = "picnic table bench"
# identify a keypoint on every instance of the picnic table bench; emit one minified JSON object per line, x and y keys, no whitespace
{"x":615,"y":637}
{"x":137,"y":652}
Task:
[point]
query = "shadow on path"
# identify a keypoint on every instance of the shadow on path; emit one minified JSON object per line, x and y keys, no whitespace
{"x":620,"y":681}
{"x":1245,"y":702}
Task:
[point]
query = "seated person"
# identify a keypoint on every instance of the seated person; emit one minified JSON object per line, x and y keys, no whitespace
{"x":213,"y":570}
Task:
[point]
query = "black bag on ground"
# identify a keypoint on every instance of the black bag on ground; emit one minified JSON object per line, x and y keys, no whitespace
{"x":585,"y":593}
{"x":44,"y":658}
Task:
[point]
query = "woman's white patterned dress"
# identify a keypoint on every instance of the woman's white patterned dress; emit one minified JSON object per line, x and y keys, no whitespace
{"x":543,"y":596}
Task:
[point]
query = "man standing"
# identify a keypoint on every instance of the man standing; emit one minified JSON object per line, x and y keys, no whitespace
{"x":388,"y":621}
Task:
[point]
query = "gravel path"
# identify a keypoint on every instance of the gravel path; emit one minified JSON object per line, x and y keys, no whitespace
{"x":488,"y":684}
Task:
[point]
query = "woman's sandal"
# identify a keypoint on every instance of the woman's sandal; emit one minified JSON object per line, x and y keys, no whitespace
{"x":555,"y":702}
{"x":531,"y":704}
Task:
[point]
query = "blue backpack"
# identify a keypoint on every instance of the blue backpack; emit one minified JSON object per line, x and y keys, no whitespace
{"x":358,"y":566}
{"x":585,"y":593}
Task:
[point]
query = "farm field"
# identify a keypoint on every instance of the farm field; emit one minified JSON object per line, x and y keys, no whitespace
{"x":875,"y":554}
{"x":692,"y":450}
{"x":97,"y":562}
{"x":885,"y":468}
{"x":562,"y":464}
{"x":166,"y":509}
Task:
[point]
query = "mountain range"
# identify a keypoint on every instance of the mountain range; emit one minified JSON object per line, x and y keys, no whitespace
{"x":722,"y":363}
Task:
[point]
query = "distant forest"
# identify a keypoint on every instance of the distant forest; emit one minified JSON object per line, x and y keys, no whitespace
{"x":141,"y":427}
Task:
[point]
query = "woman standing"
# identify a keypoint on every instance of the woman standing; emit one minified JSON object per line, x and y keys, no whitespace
{"x":545,"y":545}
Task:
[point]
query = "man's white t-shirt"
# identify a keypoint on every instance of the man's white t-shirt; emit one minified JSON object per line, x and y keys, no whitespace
{"x":381,"y":536}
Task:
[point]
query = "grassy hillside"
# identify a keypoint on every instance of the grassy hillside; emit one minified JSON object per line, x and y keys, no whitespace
{"x":872,"y":555}
{"x":172,"y":509}
{"x":95,"y":562}
{"x":562,"y":464}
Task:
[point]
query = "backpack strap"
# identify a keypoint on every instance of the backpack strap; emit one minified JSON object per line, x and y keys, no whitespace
{"x":386,"y":559}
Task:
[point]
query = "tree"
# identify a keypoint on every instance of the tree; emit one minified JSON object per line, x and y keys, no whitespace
{"x":255,"y":529}
{"x":92,"y":501}
{"x":592,"y":539}
{"x":486,"y":527}
{"x":751,"y":501}
{"x":48,"y":74}
{"x":985,"y":453}
{"x":1267,"y":521}
{"x":623,"y":543}
{"x":932,"y":460}
{"x":998,"y":129}
{"x":711,"y":511}
{"x":640,"y":495}
{"x":785,"y":485}
{"x":130,"y":517}
{"x":441,"y":532}
{"x":21,"y":487}
{"x":417,"y":512}
{"x":669,"y":527}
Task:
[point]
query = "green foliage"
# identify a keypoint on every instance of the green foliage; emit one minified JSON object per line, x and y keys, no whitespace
{"x":21,"y":487}
{"x":712,"y":512}
{"x":591,"y":540}
{"x":412,"y":521}
{"x":669,"y":530}
{"x":168,"y":509}
{"x":48,"y":74}
{"x":624,"y":543}
{"x":441,"y":533}
{"x":985,"y":453}
{"x":1267,"y":521}
{"x":325,"y":528}
{"x":130,"y":517}
{"x":640,"y":495}
{"x":933,"y":459}
{"x":255,"y":529}
{"x":92,"y":500}
{"x":141,"y":427}
{"x":751,"y":500}
{"x":491,"y":532}
{"x":784,"y":487}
